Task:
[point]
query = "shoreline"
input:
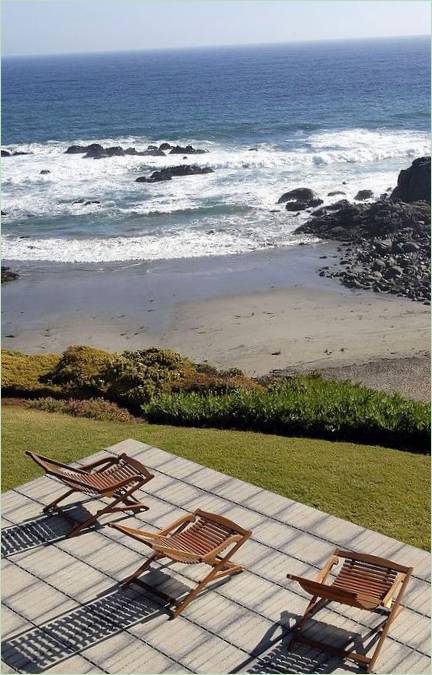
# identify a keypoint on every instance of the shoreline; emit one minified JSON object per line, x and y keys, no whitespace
{"x":260,"y":312}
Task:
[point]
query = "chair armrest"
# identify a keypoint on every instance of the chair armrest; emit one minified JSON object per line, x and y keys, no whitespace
{"x":233,"y":539}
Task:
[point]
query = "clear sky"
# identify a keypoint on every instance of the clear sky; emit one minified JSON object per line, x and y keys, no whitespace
{"x":67,"y":26}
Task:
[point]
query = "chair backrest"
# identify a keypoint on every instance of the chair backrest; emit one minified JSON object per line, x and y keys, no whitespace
{"x":221,"y":523}
{"x":366,"y":574}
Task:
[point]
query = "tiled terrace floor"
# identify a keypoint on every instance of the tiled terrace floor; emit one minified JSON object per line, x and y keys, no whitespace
{"x":64,"y":612}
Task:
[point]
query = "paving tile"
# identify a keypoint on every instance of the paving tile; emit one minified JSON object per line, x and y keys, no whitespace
{"x":123,"y":652}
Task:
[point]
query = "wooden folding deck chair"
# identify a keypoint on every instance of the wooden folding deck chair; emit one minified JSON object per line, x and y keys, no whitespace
{"x":115,"y":477}
{"x":200,"y":537}
{"x":363,"y":581}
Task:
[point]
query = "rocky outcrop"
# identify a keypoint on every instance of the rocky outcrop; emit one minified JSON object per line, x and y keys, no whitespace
{"x":8,"y":275}
{"x":299,"y":199}
{"x":335,"y":192}
{"x":386,"y":246}
{"x":171,"y":171}
{"x":97,"y":151}
{"x":165,"y":146}
{"x":15,"y":153}
{"x":414,"y":183}
{"x":44,"y":172}
{"x":188,"y":150}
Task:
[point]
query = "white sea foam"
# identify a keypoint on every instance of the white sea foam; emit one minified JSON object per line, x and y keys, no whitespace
{"x":170,"y":219}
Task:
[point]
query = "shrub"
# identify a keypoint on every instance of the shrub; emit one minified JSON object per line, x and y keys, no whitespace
{"x":80,"y":371}
{"x":95,"y":408}
{"x":135,"y":376}
{"x":304,"y":406}
{"x":130,"y":378}
{"x":23,"y":374}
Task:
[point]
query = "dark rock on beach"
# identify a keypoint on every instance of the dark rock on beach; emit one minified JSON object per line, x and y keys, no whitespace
{"x":387,"y":246}
{"x":169,"y":172}
{"x":414,"y":183}
{"x":8,"y":275}
{"x":362,"y":195}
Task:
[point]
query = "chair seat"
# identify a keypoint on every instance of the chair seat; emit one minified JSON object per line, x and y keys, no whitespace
{"x":362,"y":578}
{"x":200,"y":537}
{"x":100,"y":482}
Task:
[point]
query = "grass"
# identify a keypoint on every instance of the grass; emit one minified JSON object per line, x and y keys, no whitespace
{"x":383,"y":489}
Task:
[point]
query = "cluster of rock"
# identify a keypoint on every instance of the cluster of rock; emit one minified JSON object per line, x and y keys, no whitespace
{"x":170,"y":171}
{"x":303,"y":198}
{"x":97,"y":151}
{"x":14,"y":153}
{"x":7,"y":274}
{"x":386,"y":244}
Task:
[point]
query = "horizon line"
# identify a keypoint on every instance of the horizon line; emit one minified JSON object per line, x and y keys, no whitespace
{"x":216,"y":46}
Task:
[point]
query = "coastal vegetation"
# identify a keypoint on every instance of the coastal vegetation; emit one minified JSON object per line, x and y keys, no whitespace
{"x":357,"y":482}
{"x":165,"y":387}
{"x":303,"y":406}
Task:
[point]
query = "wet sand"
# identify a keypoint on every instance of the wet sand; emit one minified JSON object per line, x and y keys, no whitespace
{"x":259,"y":312}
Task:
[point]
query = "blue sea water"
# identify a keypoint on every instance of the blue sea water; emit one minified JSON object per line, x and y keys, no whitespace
{"x":330,"y":116}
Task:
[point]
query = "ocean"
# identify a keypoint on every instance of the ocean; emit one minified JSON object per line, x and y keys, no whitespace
{"x":330,"y":116}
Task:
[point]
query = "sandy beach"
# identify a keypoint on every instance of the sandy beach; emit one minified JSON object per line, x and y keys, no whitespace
{"x":258,"y":312}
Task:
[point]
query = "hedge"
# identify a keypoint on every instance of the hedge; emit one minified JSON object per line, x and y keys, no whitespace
{"x":304,"y":406}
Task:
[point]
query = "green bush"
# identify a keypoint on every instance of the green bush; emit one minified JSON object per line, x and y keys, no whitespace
{"x":80,"y":371}
{"x":24,"y":374}
{"x":95,"y":408}
{"x":130,"y":378}
{"x":303,"y":406}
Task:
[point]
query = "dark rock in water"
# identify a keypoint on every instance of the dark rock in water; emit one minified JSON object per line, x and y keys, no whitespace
{"x":20,"y":152}
{"x":91,"y":202}
{"x":188,"y":150}
{"x":170,"y":171}
{"x":253,"y":149}
{"x":335,"y":192}
{"x":362,"y":195}
{"x":165,"y":146}
{"x":152,"y":152}
{"x":3,"y":213}
{"x":95,"y":151}
{"x":44,"y":172}
{"x":8,"y":275}
{"x":414,"y":183}
{"x":79,"y":201}
{"x":115,"y":151}
{"x":76,"y":150}
{"x":5,"y":153}
{"x":298,"y":205}
{"x":298,"y":194}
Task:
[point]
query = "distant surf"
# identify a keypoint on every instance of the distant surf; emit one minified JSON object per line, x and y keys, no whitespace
{"x":315,"y":125}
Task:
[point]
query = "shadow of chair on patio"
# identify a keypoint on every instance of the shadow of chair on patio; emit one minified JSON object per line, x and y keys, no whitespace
{"x":284,"y":654}
{"x":46,"y":529}
{"x":40,"y":648}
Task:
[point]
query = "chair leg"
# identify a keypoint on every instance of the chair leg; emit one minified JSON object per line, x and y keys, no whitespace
{"x":56,"y":501}
{"x":140,"y":569}
{"x":87,"y":523}
{"x":222,"y":569}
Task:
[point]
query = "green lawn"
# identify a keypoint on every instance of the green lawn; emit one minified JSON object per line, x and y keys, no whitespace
{"x":383,"y":489}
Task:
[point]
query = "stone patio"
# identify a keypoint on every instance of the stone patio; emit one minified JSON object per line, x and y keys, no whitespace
{"x":63,"y":610}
